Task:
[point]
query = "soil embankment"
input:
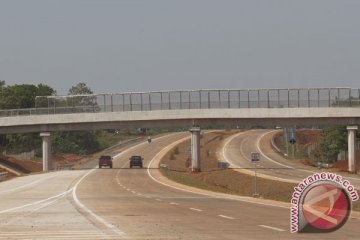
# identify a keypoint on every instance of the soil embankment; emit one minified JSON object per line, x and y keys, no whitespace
{"x":14,"y":167}
{"x":306,"y":140}
{"x":176,"y":167}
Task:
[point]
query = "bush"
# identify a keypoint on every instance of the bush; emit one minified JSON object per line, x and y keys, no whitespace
{"x":176,"y":151}
{"x":76,"y":142}
{"x":333,"y":140}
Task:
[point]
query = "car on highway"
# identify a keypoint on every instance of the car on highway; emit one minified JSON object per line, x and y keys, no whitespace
{"x":105,"y":160}
{"x":136,"y":161}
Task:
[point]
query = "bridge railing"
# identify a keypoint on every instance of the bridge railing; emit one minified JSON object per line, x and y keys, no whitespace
{"x":196,"y":99}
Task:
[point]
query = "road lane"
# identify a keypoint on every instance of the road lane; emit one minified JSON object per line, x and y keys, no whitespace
{"x":146,"y":209}
{"x":123,"y":203}
{"x":40,"y":207}
{"x":237,"y":151}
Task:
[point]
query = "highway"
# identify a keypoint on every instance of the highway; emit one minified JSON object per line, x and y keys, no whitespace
{"x":123,"y":203}
{"x":237,"y":151}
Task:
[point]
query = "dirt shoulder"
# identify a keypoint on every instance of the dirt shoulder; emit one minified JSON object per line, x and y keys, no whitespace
{"x":212,"y":178}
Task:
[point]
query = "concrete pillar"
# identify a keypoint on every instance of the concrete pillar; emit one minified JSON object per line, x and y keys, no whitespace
{"x":46,"y":150}
{"x":195,"y":149}
{"x":352,"y":148}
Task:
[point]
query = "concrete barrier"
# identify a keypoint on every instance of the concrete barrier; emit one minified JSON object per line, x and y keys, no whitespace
{"x":274,"y":144}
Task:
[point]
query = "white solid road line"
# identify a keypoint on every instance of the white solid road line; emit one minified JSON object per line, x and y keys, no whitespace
{"x":272,"y":228}
{"x":208,"y":193}
{"x":143,"y":143}
{"x":251,"y":173}
{"x":227,"y":217}
{"x":34,"y":182}
{"x":37,"y":202}
{"x":86,"y":209}
{"x":44,"y":205}
{"x":82,"y":206}
{"x":287,"y":166}
{"x":196,"y":209}
{"x":264,"y":155}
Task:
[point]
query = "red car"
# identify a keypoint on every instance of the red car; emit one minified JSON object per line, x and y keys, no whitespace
{"x":105,"y":161}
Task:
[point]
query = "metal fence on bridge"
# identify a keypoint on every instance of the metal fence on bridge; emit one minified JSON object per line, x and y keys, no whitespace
{"x":196,"y":99}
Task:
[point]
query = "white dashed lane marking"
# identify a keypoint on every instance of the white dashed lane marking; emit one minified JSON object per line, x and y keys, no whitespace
{"x":227,"y":217}
{"x":196,"y":209}
{"x":272,"y":228}
{"x":174,"y":203}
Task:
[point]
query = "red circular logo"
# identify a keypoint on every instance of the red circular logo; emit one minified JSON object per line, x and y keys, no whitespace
{"x":326,"y":206}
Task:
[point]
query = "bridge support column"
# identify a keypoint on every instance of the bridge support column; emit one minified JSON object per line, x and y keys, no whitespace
{"x":352,"y":148}
{"x":195,"y":149}
{"x":46,"y":150}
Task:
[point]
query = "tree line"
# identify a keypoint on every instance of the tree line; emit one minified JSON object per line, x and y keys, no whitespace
{"x":333,"y":138}
{"x":22,"y":96}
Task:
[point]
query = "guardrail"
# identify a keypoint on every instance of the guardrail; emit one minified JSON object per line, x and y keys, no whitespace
{"x":196,"y":99}
{"x":273,"y":144}
{"x":3,"y":176}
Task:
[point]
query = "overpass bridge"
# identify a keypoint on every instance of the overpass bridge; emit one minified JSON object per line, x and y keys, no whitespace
{"x":196,"y":108}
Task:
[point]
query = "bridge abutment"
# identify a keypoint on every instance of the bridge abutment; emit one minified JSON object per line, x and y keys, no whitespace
{"x":352,"y":148}
{"x":195,"y":149}
{"x":46,"y":150}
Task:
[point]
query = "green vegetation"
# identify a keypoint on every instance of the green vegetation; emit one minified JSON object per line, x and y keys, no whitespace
{"x":333,"y":140}
{"x":176,"y":150}
{"x":16,"y":97}
{"x":300,"y":151}
{"x":81,"y":142}
{"x":224,"y":181}
{"x":77,"y":142}
{"x":18,"y":143}
{"x":22,"y":96}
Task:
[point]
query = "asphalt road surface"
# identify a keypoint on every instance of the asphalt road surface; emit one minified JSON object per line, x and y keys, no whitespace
{"x":237,"y":151}
{"x":123,"y":203}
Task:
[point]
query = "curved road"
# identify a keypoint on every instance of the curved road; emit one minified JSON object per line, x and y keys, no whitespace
{"x":237,"y":151}
{"x":123,"y":203}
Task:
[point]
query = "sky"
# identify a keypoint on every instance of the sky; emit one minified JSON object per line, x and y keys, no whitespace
{"x":119,"y":46}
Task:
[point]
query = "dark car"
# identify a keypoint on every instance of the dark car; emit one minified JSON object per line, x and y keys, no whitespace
{"x":136,"y":161}
{"x":105,"y":161}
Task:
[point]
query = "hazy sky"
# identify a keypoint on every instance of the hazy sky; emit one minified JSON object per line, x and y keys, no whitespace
{"x":133,"y":45}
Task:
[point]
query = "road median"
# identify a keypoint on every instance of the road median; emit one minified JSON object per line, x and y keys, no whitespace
{"x":215,"y":182}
